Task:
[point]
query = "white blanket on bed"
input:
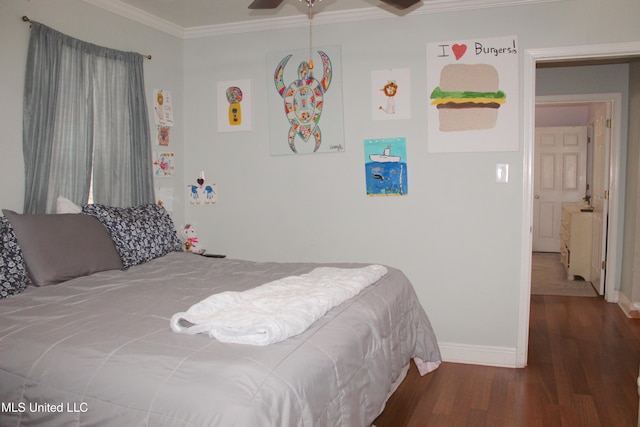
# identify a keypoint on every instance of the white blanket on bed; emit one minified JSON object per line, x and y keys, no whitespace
{"x":276,"y":310}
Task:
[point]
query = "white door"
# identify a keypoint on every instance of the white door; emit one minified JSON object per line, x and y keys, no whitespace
{"x":599,"y":200}
{"x":560,"y":177}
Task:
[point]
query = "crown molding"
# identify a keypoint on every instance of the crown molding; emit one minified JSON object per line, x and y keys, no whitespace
{"x":286,"y":22}
{"x":139,"y":16}
{"x":429,"y":6}
{"x":621,"y":50}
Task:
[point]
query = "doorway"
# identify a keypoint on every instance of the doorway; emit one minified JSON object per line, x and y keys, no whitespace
{"x":601,"y":113}
{"x":532,"y":57}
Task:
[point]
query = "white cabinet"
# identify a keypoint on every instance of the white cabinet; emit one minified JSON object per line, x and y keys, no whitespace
{"x":576,"y":237}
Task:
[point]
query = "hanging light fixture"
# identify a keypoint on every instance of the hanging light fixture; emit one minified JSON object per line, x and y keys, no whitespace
{"x":310,"y":4}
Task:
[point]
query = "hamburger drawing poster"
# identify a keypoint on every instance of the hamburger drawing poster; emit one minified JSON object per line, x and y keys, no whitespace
{"x":473,"y":95}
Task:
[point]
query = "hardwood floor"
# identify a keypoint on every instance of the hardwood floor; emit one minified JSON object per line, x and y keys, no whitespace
{"x":584,"y":356}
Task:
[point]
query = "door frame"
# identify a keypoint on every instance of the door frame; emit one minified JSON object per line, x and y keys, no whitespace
{"x":531,"y":58}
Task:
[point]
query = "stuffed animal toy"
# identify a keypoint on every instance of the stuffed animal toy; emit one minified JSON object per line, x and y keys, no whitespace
{"x":191,"y":239}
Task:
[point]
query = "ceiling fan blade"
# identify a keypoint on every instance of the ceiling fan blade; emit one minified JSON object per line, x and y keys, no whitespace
{"x":402,"y":4}
{"x":265,"y":4}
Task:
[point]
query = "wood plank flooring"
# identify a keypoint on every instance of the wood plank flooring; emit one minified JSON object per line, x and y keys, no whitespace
{"x":584,"y":356}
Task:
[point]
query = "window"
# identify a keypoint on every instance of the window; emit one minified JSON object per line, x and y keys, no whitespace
{"x":85,"y":117}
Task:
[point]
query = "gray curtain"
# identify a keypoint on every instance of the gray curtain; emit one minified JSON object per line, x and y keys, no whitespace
{"x":84,"y":110}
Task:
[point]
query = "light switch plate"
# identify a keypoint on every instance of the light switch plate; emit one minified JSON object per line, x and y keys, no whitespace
{"x":502,"y":173}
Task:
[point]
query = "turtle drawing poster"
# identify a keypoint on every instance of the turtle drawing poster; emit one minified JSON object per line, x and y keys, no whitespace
{"x":304,"y":93}
{"x":472,"y":95}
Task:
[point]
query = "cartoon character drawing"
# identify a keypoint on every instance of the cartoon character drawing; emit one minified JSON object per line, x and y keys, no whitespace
{"x":390,"y":90}
{"x":303,"y":99}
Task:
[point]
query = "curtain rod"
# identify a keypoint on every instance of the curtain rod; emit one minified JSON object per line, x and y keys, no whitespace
{"x":26,"y":19}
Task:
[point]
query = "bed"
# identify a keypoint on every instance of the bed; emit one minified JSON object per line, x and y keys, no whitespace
{"x":97,"y":349}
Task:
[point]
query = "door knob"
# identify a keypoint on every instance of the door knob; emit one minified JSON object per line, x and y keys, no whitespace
{"x":537,"y":196}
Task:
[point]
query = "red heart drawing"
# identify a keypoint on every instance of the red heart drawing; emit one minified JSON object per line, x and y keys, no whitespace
{"x":459,"y":50}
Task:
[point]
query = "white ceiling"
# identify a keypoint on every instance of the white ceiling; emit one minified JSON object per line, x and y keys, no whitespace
{"x":199,"y":18}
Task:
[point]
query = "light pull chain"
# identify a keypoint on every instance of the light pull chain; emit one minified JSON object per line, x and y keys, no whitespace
{"x":310,"y":4}
{"x":310,"y":39}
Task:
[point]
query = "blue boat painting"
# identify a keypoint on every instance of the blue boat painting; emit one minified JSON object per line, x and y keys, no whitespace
{"x":386,"y":166}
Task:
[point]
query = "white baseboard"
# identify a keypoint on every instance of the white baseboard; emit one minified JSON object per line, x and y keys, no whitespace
{"x":628,"y":308}
{"x":478,"y":355}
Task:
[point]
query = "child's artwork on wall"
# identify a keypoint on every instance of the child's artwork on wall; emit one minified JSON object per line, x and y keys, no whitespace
{"x":473,"y":95}
{"x":386,"y":167}
{"x":391,"y":94}
{"x":305,"y":101}
{"x":163,"y":164}
{"x":163,"y":134}
{"x":164,"y":197}
{"x":234,"y":105}
{"x":201,"y":192}
{"x":162,"y":107}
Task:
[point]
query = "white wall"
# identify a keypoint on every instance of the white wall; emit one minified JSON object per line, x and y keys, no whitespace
{"x":78,"y":19}
{"x":631,"y":248}
{"x":561,"y":115}
{"x":454,"y":235}
{"x":457,"y":234}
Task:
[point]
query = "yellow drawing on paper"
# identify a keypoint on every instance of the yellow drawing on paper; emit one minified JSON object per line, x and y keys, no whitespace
{"x":234,"y":96}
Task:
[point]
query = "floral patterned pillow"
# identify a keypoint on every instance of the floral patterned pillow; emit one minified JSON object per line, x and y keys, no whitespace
{"x":13,"y":273}
{"x":140,"y":233}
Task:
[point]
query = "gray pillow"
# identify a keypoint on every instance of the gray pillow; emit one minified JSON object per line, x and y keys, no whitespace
{"x":61,"y":247}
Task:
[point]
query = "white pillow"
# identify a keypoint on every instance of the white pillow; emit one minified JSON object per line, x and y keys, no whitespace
{"x":64,"y":206}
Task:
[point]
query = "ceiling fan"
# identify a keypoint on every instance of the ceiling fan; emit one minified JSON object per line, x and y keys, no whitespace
{"x":272,"y":4}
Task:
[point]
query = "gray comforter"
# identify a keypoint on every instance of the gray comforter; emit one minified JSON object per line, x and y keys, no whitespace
{"x":99,"y":351}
